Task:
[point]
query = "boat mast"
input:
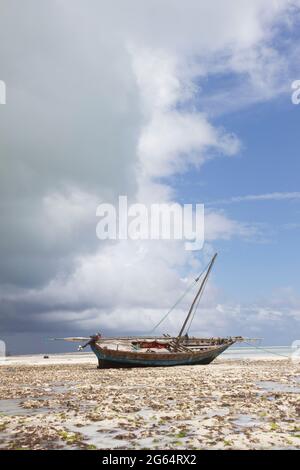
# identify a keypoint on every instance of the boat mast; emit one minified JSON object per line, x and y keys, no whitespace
{"x":197,"y":295}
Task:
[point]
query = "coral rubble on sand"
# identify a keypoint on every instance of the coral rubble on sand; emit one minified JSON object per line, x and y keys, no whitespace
{"x":226,"y":405}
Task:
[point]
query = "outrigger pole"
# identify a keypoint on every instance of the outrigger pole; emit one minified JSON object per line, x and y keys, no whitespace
{"x":197,"y":295}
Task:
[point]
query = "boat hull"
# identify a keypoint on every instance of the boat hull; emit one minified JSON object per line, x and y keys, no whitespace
{"x":109,"y":358}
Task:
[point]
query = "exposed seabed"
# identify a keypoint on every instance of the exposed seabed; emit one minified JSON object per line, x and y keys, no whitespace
{"x":229,"y":404}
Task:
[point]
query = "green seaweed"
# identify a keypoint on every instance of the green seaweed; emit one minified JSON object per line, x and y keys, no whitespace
{"x":69,"y":438}
{"x":91,"y":447}
{"x":274,"y":426}
{"x":227,"y":442}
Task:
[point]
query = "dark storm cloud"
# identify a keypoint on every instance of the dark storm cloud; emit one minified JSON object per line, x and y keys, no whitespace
{"x":70,"y":121}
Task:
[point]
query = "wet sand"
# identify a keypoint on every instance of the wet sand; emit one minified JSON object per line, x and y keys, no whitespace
{"x":67,"y":403}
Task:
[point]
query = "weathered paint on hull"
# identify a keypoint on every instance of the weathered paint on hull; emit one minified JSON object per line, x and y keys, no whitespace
{"x":117,"y":359}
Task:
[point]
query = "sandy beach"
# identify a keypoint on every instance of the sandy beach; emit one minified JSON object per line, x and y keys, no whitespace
{"x":65,"y":402}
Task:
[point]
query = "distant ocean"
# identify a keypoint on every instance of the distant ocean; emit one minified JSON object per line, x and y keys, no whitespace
{"x":261,"y":351}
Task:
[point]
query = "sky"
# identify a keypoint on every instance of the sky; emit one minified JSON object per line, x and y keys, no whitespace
{"x":161,"y":101}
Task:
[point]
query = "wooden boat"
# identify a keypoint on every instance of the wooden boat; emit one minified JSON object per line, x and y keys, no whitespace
{"x":159,"y":351}
{"x":108,"y":357}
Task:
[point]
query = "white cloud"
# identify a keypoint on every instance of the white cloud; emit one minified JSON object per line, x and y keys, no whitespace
{"x":276,"y":196}
{"x":219,"y":226}
{"x":172,"y":141}
{"x":174,"y":135}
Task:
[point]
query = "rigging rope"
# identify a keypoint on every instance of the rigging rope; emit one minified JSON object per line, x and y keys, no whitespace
{"x":264,"y":349}
{"x":179,"y":300}
{"x":172,"y":308}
